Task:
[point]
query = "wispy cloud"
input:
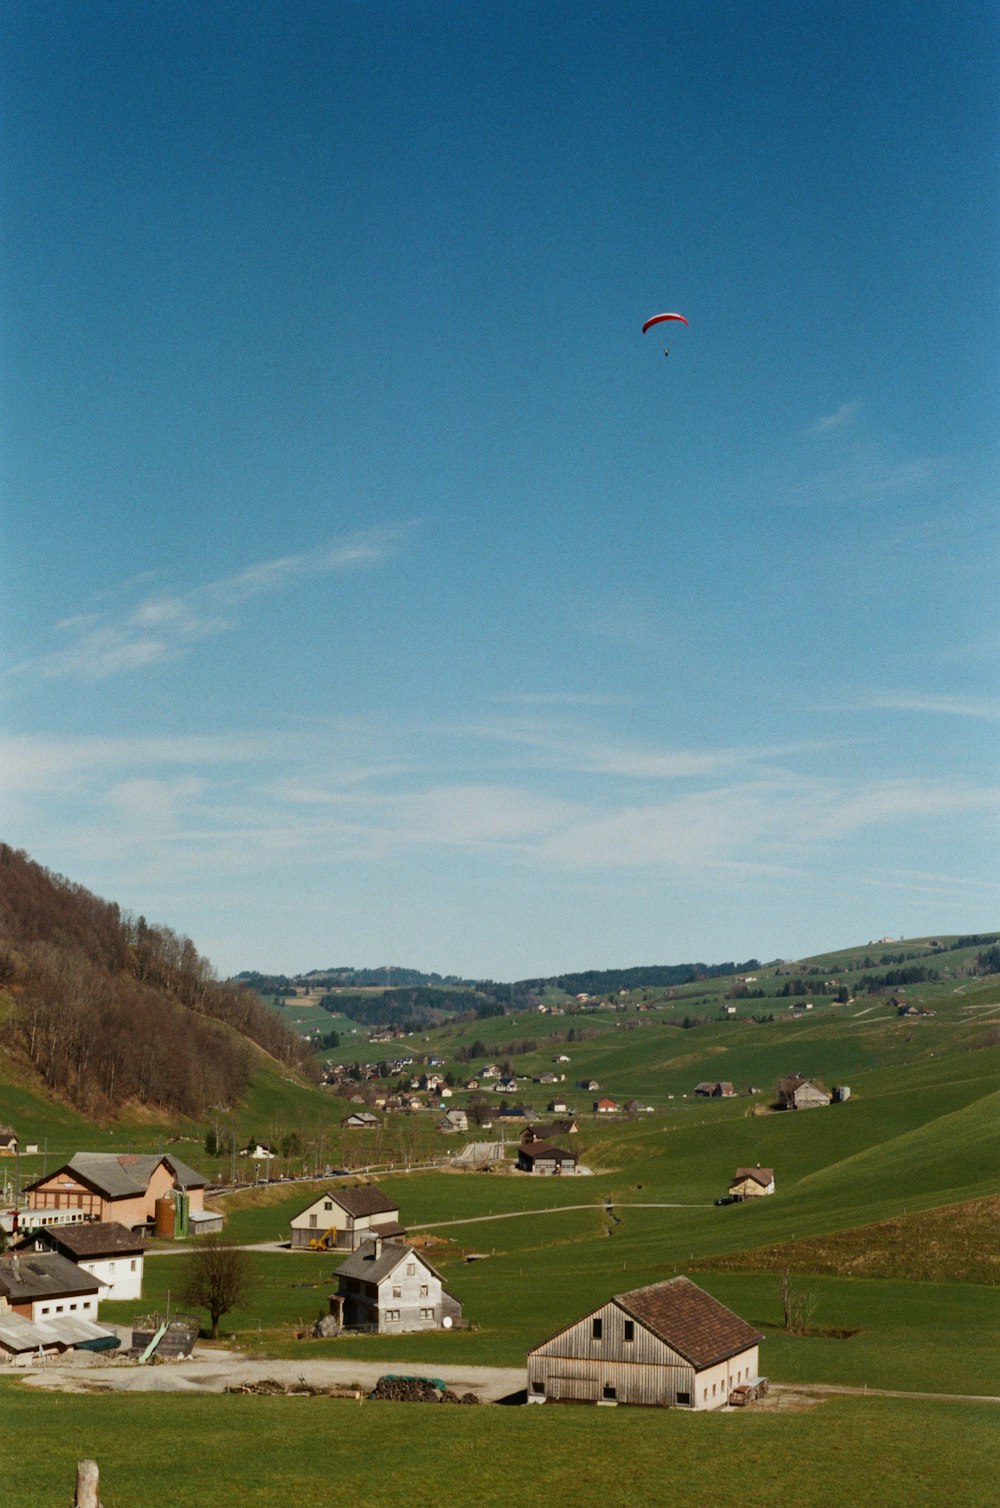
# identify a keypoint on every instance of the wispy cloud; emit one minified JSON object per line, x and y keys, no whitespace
{"x":981,"y":707}
{"x":839,"y":419}
{"x":563,"y":699}
{"x":231,"y":805}
{"x":165,"y":625}
{"x":560,"y":746}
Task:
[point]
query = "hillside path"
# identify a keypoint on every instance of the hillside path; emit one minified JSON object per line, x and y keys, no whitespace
{"x":601,"y":1205}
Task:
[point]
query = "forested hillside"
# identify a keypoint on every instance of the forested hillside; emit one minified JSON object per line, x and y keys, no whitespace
{"x":109,"y":1009}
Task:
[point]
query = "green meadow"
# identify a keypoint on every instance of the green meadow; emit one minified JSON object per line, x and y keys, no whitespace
{"x":919,"y":1135}
{"x":189,"y":1451}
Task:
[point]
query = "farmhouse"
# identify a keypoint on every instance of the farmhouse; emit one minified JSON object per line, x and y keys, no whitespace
{"x":389,"y":1287}
{"x":43,"y":1285}
{"x":669,"y":1343}
{"x":104,"y":1249}
{"x":8,"y":1142}
{"x":125,"y":1188}
{"x":797,"y":1093}
{"x":343,"y":1218}
{"x":454,"y":1120}
{"x":363,"y":1120}
{"x":259,"y":1151}
{"x":749,"y":1182}
{"x":716,"y":1090}
{"x":605,"y":1107}
{"x":539,"y":1157}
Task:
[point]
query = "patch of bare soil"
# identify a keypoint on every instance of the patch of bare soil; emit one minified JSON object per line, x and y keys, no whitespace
{"x":778,"y":1401}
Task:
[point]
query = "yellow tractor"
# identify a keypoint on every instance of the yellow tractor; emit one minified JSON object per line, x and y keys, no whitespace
{"x":324,"y":1243}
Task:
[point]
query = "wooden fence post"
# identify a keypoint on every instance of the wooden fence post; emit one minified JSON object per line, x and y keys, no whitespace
{"x":87,"y":1483}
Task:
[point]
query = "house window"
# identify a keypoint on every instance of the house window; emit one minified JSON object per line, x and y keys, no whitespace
{"x":397,"y":1293}
{"x":704,"y":1395}
{"x":391,"y":1315}
{"x":313,"y":1221}
{"x":328,"y":1204}
{"x":684,"y":1398}
{"x":538,"y":1387}
{"x":629,"y":1330}
{"x":45,"y":1309}
{"x":132,"y":1265}
{"x":410,"y":1269}
{"x":609,"y":1391}
{"x":427,"y":1314}
{"x":423,"y":1290}
{"x":597,"y":1329}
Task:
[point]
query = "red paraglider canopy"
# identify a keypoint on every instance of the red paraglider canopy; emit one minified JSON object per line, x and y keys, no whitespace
{"x":658,"y":319}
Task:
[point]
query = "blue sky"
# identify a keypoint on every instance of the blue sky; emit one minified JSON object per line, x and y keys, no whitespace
{"x":373,"y":591}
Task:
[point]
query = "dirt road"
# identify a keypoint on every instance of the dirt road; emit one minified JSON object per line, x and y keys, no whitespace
{"x":211,"y":1371}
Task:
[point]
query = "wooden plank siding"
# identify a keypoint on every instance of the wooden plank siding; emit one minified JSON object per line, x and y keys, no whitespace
{"x":578,"y":1366}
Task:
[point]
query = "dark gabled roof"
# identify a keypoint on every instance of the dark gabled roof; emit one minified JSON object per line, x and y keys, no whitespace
{"x":375,"y":1260}
{"x":689,"y":1320}
{"x":763,"y":1176}
{"x":43,"y":1275}
{"x":124,"y":1175}
{"x":365,"y":1200}
{"x":97,"y":1238}
{"x":542,"y":1149}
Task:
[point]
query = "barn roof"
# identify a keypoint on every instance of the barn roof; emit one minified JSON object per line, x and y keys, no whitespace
{"x":375,"y":1260}
{"x":364,"y":1200}
{"x":96,"y":1238}
{"x":763,"y":1176}
{"x":43,"y":1275}
{"x":543,"y":1150}
{"x":125,"y":1175}
{"x":689,"y":1320}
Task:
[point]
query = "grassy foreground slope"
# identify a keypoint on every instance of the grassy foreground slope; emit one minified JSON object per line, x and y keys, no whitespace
{"x":313,"y":1452}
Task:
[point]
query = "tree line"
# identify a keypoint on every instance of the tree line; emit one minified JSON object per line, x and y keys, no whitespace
{"x":108,"y":1008}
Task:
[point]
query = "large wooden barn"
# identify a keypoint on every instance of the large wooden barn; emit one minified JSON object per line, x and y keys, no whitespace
{"x":670,"y":1343}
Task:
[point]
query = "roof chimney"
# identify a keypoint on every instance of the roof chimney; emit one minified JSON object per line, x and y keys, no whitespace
{"x":376,"y":1248}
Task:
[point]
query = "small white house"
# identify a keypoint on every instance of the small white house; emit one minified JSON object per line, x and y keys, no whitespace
{"x":343,"y":1218}
{"x":105,"y":1249}
{"x":750,"y":1182}
{"x":42,"y":1285}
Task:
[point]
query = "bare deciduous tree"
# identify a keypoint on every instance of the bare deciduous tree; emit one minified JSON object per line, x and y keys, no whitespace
{"x":797,"y":1304}
{"x":218,"y":1279}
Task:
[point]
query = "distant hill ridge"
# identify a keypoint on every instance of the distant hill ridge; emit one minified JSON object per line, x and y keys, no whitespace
{"x":588,"y":981}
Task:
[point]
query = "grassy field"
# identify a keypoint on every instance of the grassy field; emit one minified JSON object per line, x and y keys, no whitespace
{"x":885,"y":1211}
{"x":311,"y":1452}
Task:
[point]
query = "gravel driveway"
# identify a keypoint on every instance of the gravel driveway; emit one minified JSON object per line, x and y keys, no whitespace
{"x":214,"y":1371}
